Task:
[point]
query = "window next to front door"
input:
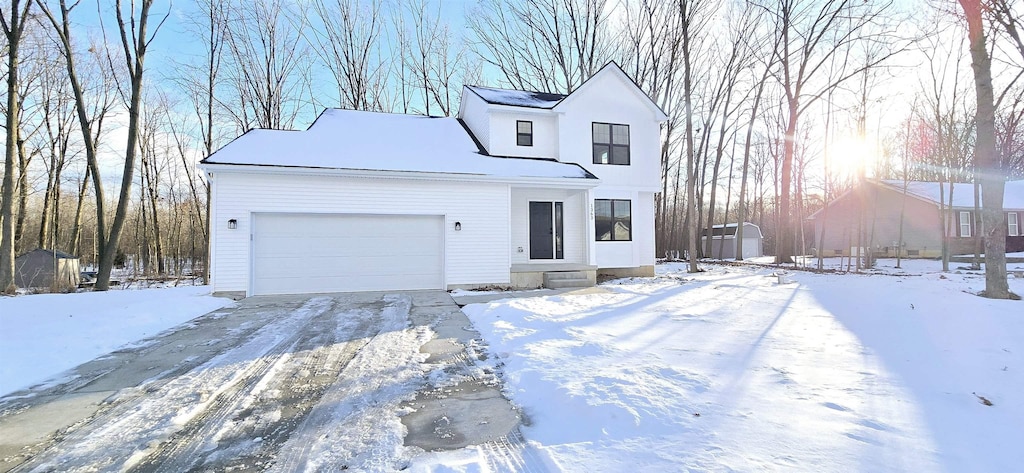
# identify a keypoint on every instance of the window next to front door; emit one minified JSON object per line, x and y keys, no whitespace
{"x":613,"y":220}
{"x":546,"y":230}
{"x":611,"y":143}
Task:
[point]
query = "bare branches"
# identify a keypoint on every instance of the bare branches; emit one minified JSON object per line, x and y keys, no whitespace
{"x":545,"y":45}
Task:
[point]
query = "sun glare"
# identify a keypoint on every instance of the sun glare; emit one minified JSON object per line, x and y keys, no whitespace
{"x":849,"y":156}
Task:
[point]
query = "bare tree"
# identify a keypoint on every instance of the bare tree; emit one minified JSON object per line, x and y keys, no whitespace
{"x":266,"y":67}
{"x":545,"y":45}
{"x":347,"y":39}
{"x":812,"y":33}
{"x":985,"y":157}
{"x":135,"y":41}
{"x":13,"y":23}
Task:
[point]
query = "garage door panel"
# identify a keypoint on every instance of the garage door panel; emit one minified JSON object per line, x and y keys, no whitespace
{"x":304,"y":253}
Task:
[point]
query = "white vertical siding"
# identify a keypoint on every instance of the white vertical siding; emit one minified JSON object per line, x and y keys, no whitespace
{"x":575,"y":222}
{"x":478,"y":254}
{"x":503,"y":134}
{"x":473,"y":111}
{"x":643,"y":228}
{"x":609,"y":99}
{"x":640,"y":250}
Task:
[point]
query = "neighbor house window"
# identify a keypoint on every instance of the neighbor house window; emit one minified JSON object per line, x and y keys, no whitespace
{"x":1012,"y":227}
{"x":524,"y":133}
{"x":613,"y":220}
{"x":611,"y":143}
{"x":965,"y":224}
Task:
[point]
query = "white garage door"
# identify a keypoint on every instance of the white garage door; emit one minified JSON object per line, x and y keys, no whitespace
{"x":308,"y":253}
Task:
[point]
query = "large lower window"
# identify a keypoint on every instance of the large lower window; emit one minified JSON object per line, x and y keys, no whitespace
{"x":613,"y":220}
{"x":1012,"y":226}
{"x":611,"y":143}
{"x":965,"y":224}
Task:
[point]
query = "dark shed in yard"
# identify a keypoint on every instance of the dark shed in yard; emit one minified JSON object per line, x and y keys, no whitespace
{"x":41,"y":268}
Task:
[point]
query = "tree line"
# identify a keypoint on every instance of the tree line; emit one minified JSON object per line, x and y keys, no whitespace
{"x":773,"y":104}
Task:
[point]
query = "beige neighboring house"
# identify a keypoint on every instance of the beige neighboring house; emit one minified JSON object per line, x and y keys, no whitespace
{"x":50,"y":269}
{"x":876,"y":206}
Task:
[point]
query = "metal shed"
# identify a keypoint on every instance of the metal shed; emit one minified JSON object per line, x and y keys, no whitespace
{"x":752,"y":244}
{"x":46,"y":269}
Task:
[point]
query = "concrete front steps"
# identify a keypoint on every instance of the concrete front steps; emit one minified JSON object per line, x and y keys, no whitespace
{"x":563,"y":279}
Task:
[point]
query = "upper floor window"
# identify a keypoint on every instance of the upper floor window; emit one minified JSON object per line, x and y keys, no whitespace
{"x":611,"y":143}
{"x":524,"y":133}
{"x":1012,"y":226}
{"x":612,"y":220}
{"x":965,"y":224}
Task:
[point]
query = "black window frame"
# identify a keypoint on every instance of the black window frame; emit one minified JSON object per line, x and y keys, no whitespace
{"x":612,"y":217}
{"x":524,"y":139}
{"x":611,"y":145}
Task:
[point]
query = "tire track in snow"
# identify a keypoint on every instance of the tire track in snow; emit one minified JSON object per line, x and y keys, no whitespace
{"x":134,"y":428}
{"x":512,"y":454}
{"x":270,"y":414}
{"x":340,"y":432}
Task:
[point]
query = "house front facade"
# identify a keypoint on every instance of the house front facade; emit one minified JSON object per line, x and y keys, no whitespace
{"x":523,"y":189}
{"x":879,"y":210}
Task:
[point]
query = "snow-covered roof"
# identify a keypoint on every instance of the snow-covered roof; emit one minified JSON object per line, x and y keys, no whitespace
{"x":358,"y":140}
{"x":963,"y":193}
{"x":518,"y":98}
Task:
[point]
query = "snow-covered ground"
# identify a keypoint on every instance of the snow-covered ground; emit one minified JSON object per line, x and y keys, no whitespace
{"x":728,"y":370}
{"x":725,"y":370}
{"x":43,"y":335}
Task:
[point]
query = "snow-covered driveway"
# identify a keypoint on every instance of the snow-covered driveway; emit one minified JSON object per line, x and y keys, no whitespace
{"x":290,"y":383}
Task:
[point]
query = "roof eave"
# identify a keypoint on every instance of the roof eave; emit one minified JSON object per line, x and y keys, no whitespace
{"x":587,"y":182}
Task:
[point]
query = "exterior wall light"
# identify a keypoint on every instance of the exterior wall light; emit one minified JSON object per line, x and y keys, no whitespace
{"x":458,"y":226}
{"x":232,"y":224}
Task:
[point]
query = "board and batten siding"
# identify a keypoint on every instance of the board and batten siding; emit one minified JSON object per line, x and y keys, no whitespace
{"x":478,"y":254}
{"x":640,"y":250}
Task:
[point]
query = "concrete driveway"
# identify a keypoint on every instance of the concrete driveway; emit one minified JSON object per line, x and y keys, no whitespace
{"x":321,"y":382}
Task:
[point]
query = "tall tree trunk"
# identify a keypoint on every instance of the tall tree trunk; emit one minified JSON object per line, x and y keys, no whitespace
{"x":13,"y":29}
{"x":985,"y":157}
{"x":135,"y":55}
{"x":785,"y":230}
{"x":24,"y":159}
{"x":63,"y":31}
{"x":746,"y":156}
{"x":691,"y":201}
{"x":76,"y":229}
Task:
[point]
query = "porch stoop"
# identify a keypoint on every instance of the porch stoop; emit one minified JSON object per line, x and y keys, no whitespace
{"x":561,"y":279}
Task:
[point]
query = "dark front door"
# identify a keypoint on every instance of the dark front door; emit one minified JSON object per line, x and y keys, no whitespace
{"x":546,"y":230}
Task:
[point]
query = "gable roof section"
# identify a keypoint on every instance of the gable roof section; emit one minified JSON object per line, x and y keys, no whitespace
{"x":549,"y":101}
{"x":928,"y":191}
{"x":516,"y":98}
{"x":613,"y":69}
{"x":963,"y":192}
{"x":373,"y":141}
{"x":49,"y":253}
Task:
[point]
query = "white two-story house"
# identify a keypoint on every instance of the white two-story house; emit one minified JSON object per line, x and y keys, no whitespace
{"x":523,"y":189}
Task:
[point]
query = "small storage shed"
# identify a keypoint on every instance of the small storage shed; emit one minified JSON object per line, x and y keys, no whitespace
{"x":46,"y":269}
{"x":751,"y":246}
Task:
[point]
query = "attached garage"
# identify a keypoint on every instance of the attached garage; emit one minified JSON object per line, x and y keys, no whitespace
{"x":311,"y":253}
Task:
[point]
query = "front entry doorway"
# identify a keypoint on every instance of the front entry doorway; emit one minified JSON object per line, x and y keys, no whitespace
{"x":546,"y":230}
